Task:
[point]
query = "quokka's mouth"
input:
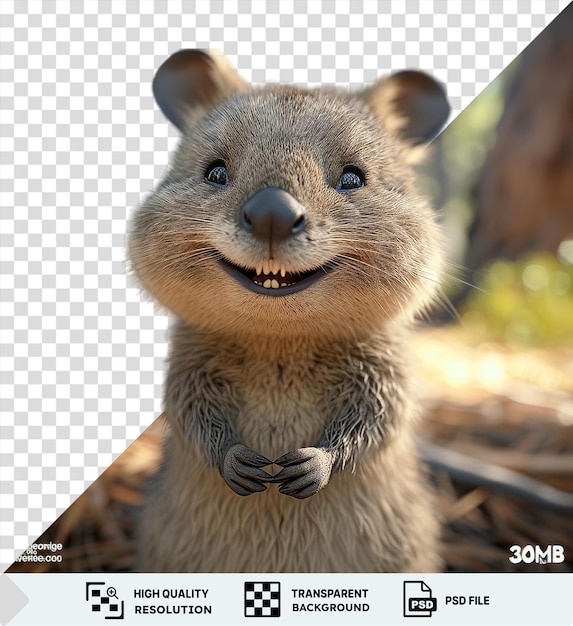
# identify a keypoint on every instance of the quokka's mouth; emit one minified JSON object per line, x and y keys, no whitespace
{"x":271,"y":279}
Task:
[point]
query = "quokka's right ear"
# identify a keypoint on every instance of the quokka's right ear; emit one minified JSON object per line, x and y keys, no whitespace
{"x":411,"y":105}
{"x":190,"y":82}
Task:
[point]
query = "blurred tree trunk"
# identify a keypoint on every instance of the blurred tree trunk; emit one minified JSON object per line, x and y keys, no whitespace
{"x":525,"y":191}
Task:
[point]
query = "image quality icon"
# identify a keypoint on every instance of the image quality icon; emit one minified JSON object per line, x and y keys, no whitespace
{"x":107,"y":602}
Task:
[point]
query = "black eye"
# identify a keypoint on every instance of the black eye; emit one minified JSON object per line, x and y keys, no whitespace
{"x":217,"y":174}
{"x":352,"y":178}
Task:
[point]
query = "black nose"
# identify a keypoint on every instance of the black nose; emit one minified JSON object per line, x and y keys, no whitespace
{"x":273,"y":215}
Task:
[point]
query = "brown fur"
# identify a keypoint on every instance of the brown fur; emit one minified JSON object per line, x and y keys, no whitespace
{"x":282,"y":373}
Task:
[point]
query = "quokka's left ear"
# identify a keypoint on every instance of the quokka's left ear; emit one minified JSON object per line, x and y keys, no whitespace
{"x":191,"y":82}
{"x":411,"y":105}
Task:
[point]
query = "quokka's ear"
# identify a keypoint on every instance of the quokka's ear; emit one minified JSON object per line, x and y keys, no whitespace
{"x":190,"y":82}
{"x":411,"y":105}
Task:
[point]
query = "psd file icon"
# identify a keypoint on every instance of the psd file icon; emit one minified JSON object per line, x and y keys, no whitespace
{"x":418,"y":599}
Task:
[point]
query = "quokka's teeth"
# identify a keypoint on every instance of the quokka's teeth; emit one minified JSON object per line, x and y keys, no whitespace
{"x":270,"y":266}
{"x":275,"y":284}
{"x":267,"y":283}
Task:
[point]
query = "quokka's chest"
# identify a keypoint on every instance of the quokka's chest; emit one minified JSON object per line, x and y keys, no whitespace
{"x":284,"y":405}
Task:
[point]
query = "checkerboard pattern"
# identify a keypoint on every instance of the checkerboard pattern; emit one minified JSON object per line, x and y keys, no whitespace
{"x":262,"y":599}
{"x":82,"y":351}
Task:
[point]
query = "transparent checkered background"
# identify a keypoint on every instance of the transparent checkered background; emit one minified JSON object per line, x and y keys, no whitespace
{"x":82,"y":142}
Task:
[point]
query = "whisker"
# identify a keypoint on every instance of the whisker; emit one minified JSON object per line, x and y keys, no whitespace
{"x":355,"y":260}
{"x":449,"y":306}
{"x":460,"y":281}
{"x":149,"y":258}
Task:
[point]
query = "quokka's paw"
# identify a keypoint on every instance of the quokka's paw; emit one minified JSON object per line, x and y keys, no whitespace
{"x":241,"y":470}
{"x":305,"y":471}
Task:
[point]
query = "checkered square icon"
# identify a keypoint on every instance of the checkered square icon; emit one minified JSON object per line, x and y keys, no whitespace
{"x":262,"y":599}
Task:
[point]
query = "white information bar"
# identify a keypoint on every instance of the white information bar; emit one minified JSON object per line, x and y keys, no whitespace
{"x":287,"y":599}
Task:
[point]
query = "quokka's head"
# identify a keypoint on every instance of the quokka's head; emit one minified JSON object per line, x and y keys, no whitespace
{"x":288,"y":210}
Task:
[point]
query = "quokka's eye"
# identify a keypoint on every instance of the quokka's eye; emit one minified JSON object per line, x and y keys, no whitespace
{"x":352,"y":178}
{"x":217,"y":174}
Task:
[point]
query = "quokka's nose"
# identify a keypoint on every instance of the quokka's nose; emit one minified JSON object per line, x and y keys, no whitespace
{"x":273,"y":215}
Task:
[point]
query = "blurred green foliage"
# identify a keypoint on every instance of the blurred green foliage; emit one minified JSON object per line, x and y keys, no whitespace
{"x":528,"y":302}
{"x":454,"y":161}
